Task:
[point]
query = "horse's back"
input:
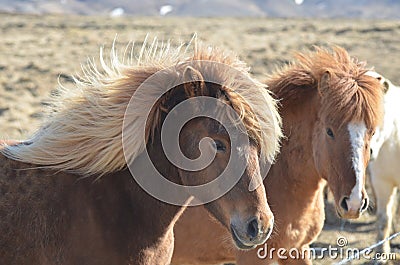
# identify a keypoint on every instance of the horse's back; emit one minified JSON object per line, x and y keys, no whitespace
{"x":31,"y":205}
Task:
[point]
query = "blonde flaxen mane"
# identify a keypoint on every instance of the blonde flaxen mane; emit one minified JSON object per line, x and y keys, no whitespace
{"x":83,"y":134}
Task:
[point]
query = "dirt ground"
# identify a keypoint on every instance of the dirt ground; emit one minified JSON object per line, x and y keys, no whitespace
{"x":37,"y":52}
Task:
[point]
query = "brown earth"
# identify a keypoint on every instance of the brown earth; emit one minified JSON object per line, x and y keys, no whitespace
{"x":38,"y":51}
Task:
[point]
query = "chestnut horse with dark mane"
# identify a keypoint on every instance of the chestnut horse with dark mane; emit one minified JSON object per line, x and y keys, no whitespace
{"x":67,"y":195}
{"x":330,"y":108}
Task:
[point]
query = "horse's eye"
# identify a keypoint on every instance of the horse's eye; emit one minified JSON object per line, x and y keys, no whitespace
{"x":330,"y":133}
{"x":219,"y":145}
{"x":373,"y":132}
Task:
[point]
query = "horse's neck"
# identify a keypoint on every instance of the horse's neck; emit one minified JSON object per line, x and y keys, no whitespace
{"x":152,"y":219}
{"x":391,"y":118}
{"x":389,"y":133}
{"x":148,"y":222}
{"x":296,"y":156}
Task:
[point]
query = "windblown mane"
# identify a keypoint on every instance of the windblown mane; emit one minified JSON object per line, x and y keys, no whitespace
{"x":83,"y":133}
{"x":352,"y":95}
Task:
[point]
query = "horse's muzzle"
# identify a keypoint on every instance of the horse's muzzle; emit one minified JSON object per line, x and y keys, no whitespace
{"x":348,"y":211}
{"x":252,"y":234}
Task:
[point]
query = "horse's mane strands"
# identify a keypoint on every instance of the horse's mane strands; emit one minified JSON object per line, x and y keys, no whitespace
{"x":352,"y":95}
{"x":83,"y":132}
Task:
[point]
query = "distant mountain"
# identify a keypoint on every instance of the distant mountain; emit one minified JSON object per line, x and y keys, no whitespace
{"x":382,"y":9}
{"x":331,"y":8}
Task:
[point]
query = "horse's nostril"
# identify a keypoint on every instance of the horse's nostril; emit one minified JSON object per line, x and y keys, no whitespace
{"x":252,"y":228}
{"x":343,"y":204}
{"x":364,"y":205}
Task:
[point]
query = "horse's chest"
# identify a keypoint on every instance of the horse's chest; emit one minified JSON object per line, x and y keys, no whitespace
{"x":305,"y":225}
{"x":161,"y":252}
{"x":307,"y":228}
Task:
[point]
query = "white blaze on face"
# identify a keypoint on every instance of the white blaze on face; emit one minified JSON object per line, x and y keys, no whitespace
{"x":357,"y":135}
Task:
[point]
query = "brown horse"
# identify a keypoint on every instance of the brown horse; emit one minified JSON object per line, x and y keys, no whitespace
{"x":67,"y":195}
{"x":330,"y":109}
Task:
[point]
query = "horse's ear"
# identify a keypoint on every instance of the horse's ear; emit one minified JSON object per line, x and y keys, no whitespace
{"x":323,"y":85}
{"x":194,"y":84}
{"x":385,"y":83}
{"x":386,"y":86}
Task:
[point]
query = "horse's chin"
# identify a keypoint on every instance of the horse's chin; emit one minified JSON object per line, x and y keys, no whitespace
{"x":238,"y":243}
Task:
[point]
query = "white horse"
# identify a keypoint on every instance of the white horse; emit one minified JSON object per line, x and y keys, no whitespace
{"x":385,"y":161}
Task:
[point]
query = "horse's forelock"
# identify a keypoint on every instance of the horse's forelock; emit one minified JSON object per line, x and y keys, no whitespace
{"x":353,"y":95}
